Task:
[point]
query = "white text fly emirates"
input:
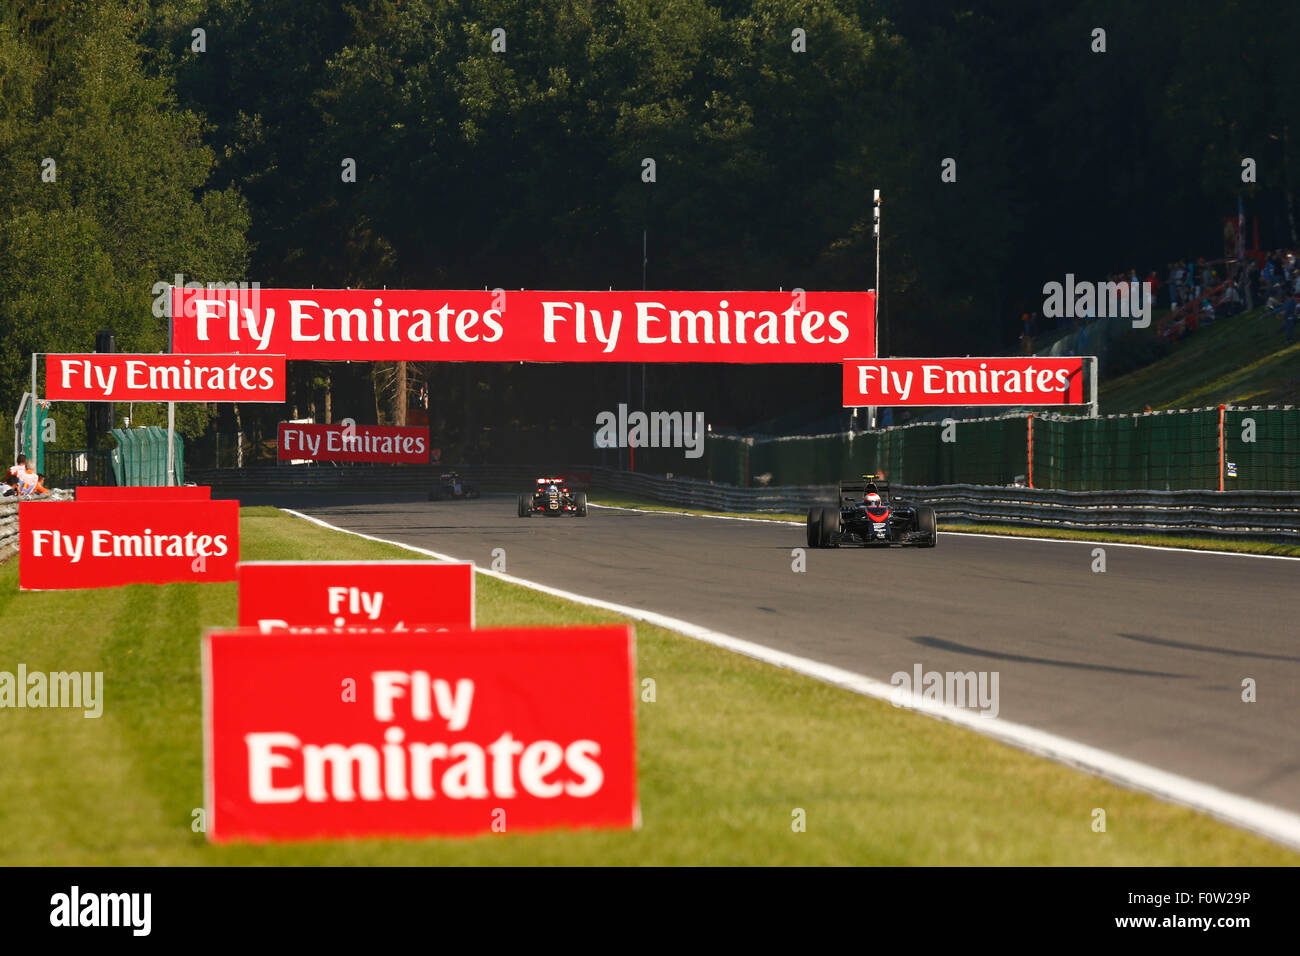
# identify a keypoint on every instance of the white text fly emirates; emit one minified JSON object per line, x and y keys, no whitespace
{"x":107,"y":544}
{"x":654,"y":324}
{"x":282,"y":768}
{"x":368,"y":444}
{"x":146,"y":376}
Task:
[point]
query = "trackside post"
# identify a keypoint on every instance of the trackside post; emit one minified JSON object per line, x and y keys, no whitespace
{"x":1095,"y":405}
{"x":1221,"y":408}
{"x":1030,"y":470}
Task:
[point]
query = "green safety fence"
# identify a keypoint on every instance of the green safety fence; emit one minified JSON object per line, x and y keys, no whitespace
{"x":1160,"y":451}
{"x":140,"y":457}
{"x":25,"y":443}
{"x":1264,"y":445}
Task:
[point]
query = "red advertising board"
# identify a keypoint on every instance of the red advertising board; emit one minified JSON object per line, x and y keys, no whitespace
{"x":383,"y":443}
{"x":144,"y":493}
{"x":963,"y":381}
{"x":96,"y":544}
{"x":119,"y":377}
{"x":527,"y":325}
{"x":325,"y":735}
{"x":357,"y":596}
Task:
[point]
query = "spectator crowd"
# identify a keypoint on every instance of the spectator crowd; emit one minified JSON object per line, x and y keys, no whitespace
{"x":1201,"y":291}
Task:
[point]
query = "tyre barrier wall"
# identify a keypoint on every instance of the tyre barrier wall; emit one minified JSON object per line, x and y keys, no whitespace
{"x":8,"y":530}
{"x":1253,"y":515}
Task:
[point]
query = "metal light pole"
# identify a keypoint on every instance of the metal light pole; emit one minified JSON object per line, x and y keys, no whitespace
{"x":875,"y":318}
{"x":645,"y":261}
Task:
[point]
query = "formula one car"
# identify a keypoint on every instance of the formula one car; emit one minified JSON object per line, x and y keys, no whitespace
{"x":452,"y":487}
{"x":868,"y":514}
{"x":551,"y":498}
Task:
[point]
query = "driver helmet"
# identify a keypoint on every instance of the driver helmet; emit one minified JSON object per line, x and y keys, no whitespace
{"x":872,"y":499}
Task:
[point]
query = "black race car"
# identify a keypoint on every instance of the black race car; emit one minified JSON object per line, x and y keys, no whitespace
{"x":550,"y":497}
{"x":452,"y":487}
{"x":868,"y":514}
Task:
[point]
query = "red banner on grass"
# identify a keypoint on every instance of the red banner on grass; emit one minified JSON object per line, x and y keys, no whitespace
{"x":119,"y":377}
{"x":382,"y":443}
{"x":96,"y":544}
{"x":324,"y":735}
{"x":357,"y":596}
{"x":144,"y":493}
{"x":963,"y":381}
{"x":526,"y":326}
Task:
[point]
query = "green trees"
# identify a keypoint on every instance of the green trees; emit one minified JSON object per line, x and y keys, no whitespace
{"x":102,"y":193}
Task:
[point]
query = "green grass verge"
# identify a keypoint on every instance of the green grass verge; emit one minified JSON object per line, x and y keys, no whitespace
{"x":644,"y":504}
{"x":1065,"y":534}
{"x":727,"y":753}
{"x":1243,"y":360}
{"x":1166,"y":541}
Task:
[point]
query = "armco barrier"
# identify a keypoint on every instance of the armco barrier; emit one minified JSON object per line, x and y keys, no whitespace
{"x":1255,"y":515}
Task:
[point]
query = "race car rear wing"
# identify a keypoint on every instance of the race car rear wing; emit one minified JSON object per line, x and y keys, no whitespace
{"x":856,"y":489}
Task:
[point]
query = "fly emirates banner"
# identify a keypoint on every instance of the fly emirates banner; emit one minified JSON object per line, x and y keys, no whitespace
{"x":97,"y":544}
{"x":525,"y":326}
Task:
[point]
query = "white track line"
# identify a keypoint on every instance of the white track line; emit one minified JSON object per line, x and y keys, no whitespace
{"x":972,"y":534}
{"x":1275,"y":823}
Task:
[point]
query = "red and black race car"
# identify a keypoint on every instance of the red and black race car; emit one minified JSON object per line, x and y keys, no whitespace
{"x":869,"y":515}
{"x":552,"y":497}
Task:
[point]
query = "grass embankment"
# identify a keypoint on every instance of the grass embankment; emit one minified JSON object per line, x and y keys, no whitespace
{"x":1064,"y":534}
{"x":1243,"y":360}
{"x":727,"y":752}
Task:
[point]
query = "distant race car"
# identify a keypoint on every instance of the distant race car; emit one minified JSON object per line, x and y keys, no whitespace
{"x":868,"y":515}
{"x":452,"y":487}
{"x":551,"y":497}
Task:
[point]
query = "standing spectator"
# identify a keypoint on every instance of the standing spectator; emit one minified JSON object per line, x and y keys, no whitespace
{"x":1288,"y":318}
{"x":21,"y":466}
{"x":1230,"y":304}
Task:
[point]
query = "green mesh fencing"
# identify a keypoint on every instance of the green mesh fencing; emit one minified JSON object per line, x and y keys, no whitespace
{"x":140,"y":457}
{"x":1160,"y":451}
{"x":1264,"y":445}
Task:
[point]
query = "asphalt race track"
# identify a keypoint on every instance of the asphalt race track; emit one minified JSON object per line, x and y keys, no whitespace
{"x":1145,"y":660}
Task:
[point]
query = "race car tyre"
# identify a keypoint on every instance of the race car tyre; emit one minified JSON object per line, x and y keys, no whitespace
{"x":580,"y":504}
{"x":814,"y":527}
{"x":830,"y":526}
{"x":524,"y":508}
{"x":925,"y":521}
